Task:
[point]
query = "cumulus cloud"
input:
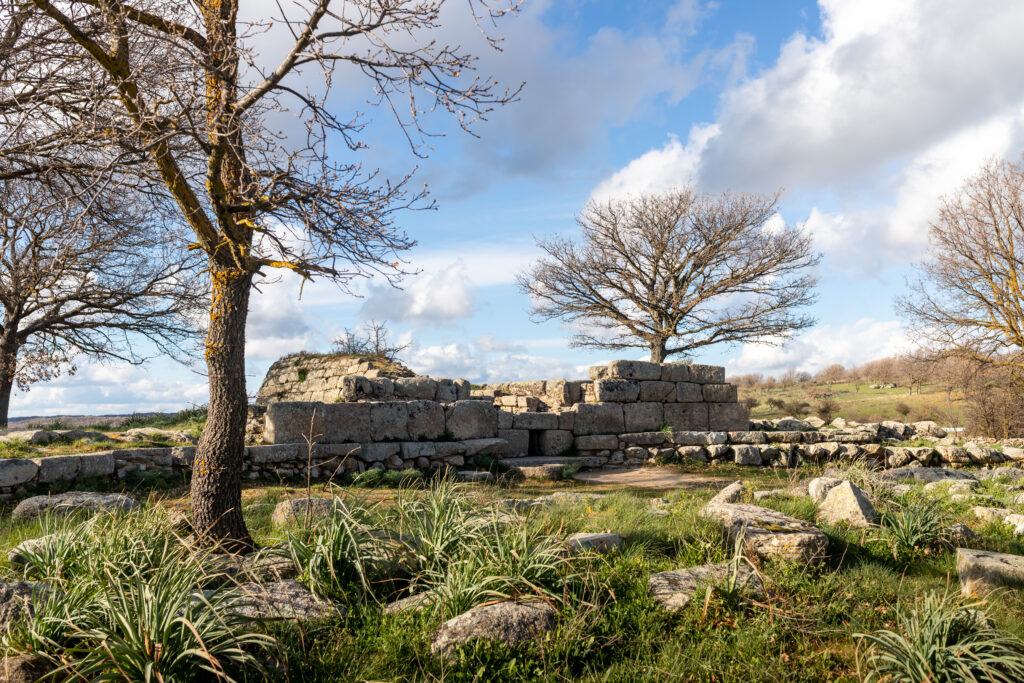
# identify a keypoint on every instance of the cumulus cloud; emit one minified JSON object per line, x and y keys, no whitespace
{"x":849,"y":345}
{"x":279,"y":321}
{"x":484,"y":361}
{"x":426,"y":299}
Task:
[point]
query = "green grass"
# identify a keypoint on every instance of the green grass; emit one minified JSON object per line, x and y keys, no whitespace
{"x":608,"y":628}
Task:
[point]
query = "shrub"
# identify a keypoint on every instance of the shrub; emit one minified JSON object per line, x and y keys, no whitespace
{"x":902,"y":409}
{"x":941,"y":639}
{"x":776,"y":403}
{"x":797,"y":408}
{"x":751,"y":402}
{"x":913,"y":524}
{"x":827,"y":409}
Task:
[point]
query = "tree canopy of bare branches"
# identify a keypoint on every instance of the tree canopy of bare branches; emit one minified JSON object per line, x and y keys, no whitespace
{"x":676,"y":272}
{"x":967,"y":299}
{"x":85,"y":275}
{"x":183,"y":103}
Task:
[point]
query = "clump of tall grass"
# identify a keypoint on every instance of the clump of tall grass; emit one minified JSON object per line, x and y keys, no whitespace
{"x":913,"y":525}
{"x":130,"y":601}
{"x":941,"y":639}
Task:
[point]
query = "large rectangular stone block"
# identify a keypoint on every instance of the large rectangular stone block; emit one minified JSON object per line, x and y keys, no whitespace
{"x":675,"y":372}
{"x":597,"y":371}
{"x":687,"y":416}
{"x":634,"y":369}
{"x":471,"y":420}
{"x":597,"y":442}
{"x":566,"y":420}
{"x":16,"y":471}
{"x":426,"y":420}
{"x":535,"y":421}
{"x":599,"y":418}
{"x":422,"y":388}
{"x":728,"y":417}
{"x":292,"y":421}
{"x":616,"y":390}
{"x":378,"y":452}
{"x":643,"y":417}
{"x":658,"y":391}
{"x":518,"y":441}
{"x":97,"y":465}
{"x":707,"y":374}
{"x":276,"y":453}
{"x":554,"y":442}
{"x":389,"y":421}
{"x":720,"y":393}
{"x":345,"y":423}
{"x":688,"y":392}
{"x":57,"y":468}
{"x":447,"y":392}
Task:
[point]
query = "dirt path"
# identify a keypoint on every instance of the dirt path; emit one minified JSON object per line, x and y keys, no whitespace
{"x":649,"y":478}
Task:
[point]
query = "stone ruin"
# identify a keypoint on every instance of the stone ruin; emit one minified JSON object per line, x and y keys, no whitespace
{"x":624,"y":415}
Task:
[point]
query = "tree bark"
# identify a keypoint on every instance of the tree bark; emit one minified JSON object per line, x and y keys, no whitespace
{"x":217,"y":471}
{"x":658,"y":347}
{"x":8,"y":366}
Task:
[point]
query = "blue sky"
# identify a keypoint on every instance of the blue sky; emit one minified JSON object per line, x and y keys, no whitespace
{"x":863,"y":111}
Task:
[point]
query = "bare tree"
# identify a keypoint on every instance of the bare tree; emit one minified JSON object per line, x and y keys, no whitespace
{"x":85,"y":275}
{"x":832,"y":374}
{"x":183,"y":92}
{"x":694,"y":269}
{"x":373,"y":340}
{"x":968,"y":297}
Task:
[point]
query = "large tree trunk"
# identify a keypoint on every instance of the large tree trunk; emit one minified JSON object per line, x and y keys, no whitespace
{"x":658,"y":347}
{"x":217,"y":471}
{"x":8,"y":365}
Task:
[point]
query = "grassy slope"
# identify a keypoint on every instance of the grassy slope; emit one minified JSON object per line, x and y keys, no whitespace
{"x":609,"y":628}
{"x":858,"y":402}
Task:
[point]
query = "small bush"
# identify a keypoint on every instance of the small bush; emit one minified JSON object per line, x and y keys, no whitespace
{"x":776,"y":403}
{"x":902,"y":409}
{"x":827,"y":409}
{"x":942,"y":639}
{"x":913,"y":525}
{"x":751,"y":402}
{"x":797,"y":408}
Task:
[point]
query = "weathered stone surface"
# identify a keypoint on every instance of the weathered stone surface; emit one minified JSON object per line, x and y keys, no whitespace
{"x":658,"y":391}
{"x":474,"y":476}
{"x":598,"y":418}
{"x":728,"y":417}
{"x":57,"y":468}
{"x":296,"y":510}
{"x":421,"y":388}
{"x":96,"y":465}
{"x":847,"y":504}
{"x":925,"y":474}
{"x":644,"y":438}
{"x":735,"y":492}
{"x":953,"y":455}
{"x":554,"y":442}
{"x":552,"y":472}
{"x":535,"y":421}
{"x":819,"y":487}
{"x":284,"y":452}
{"x":409,"y":603}
{"x":292,"y":421}
{"x":598,"y":543}
{"x":281,"y":600}
{"x":16,"y":471}
{"x":508,"y":622}
{"x":518,"y":441}
{"x":687,"y":416}
{"x":674,"y":589}
{"x":791,"y":424}
{"x":929,"y":428}
{"x":73,"y":501}
{"x":688,"y":392}
{"x":642,"y":417}
{"x":987,"y":514}
{"x":981,"y":571}
{"x":616,"y":390}
{"x":379,"y":452}
{"x":16,"y":598}
{"x":425,"y":420}
{"x":719,"y":393}
{"x":960,"y":534}
{"x":707,"y":374}
{"x":18,"y":555}
{"x":675,"y":372}
{"x":495,"y":448}
{"x":24,"y":669}
{"x":747,"y":437}
{"x":597,"y":371}
{"x":471,"y":420}
{"x":36,"y":437}
{"x":746,"y":455}
{"x":634,"y":369}
{"x":389,"y":421}
{"x":768,"y":534}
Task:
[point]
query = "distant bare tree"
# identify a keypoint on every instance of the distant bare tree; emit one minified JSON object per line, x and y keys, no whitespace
{"x":87,"y":276}
{"x":694,"y":269}
{"x":968,"y":297}
{"x":193,"y":98}
{"x":374,"y":339}
{"x":832,"y":374}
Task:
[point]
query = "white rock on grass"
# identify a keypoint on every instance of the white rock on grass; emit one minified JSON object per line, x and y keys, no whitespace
{"x":960,"y":534}
{"x":674,"y":589}
{"x":819,"y":487}
{"x":409,"y":603}
{"x":73,"y":501}
{"x":847,"y":504}
{"x":296,"y":510}
{"x":473,"y":475}
{"x":767,"y":533}
{"x":510,"y":622}
{"x":281,"y":600}
{"x":735,"y":492}
{"x":987,"y":514}
{"x":16,"y":599}
{"x":981,"y":571}
{"x":598,"y":543}
{"x":925,"y":474}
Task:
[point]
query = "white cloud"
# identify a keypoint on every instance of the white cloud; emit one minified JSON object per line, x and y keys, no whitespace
{"x":427,"y":299}
{"x":279,"y":322}
{"x":849,"y":345}
{"x":485,"y":361}
{"x":674,"y":165}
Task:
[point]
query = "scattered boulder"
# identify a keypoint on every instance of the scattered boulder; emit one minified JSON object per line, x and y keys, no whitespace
{"x":960,"y":534}
{"x":281,"y":600}
{"x":981,"y":571}
{"x":987,"y":514}
{"x":510,"y":622}
{"x":735,"y":492}
{"x":16,"y":599}
{"x":767,"y":533}
{"x":930,"y":429}
{"x":924,"y":474}
{"x":674,"y":589}
{"x":815,"y":422}
{"x":961,"y":487}
{"x":547,"y":472}
{"x":790,"y":424}
{"x":18,"y":555}
{"x":146,"y":433}
{"x":296,"y":510}
{"x":598,"y":543}
{"x":1008,"y":473}
{"x":409,"y":603}
{"x":847,"y":504}
{"x":819,"y":487}
{"x":474,"y":475}
{"x":73,"y":501}
{"x":36,"y":437}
